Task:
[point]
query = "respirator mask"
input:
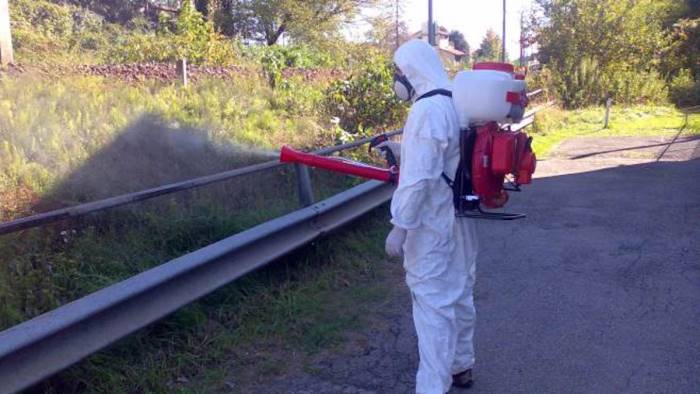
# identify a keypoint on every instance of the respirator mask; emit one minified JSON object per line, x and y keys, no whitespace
{"x":403,"y":89}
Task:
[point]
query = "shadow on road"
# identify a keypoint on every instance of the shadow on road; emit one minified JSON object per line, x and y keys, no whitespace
{"x":596,"y":291}
{"x":666,"y":145}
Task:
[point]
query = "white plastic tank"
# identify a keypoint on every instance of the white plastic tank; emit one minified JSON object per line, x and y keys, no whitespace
{"x":481,"y":95}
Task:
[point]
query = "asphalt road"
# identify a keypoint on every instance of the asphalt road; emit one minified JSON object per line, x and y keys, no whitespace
{"x":598,"y":290}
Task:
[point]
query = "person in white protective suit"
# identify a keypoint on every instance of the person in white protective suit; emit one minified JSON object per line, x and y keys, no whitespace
{"x":439,"y":249}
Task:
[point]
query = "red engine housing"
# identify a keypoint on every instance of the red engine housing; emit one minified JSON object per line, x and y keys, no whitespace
{"x":497,"y":153}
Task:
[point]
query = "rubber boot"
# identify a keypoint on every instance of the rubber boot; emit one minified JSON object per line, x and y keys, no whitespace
{"x":463,"y":379}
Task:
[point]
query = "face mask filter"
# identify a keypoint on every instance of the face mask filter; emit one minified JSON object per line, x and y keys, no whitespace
{"x":403,"y":89}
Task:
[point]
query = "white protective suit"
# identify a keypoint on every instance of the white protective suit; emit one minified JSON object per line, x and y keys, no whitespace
{"x":440,"y":249}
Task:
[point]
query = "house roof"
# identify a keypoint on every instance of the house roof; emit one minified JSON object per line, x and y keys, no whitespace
{"x":441,"y":32}
{"x":452,"y":51}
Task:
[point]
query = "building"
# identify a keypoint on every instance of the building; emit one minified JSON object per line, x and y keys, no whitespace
{"x":446,"y":50}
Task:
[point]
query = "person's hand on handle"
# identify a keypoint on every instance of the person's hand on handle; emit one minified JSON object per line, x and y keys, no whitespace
{"x":394,"y":147}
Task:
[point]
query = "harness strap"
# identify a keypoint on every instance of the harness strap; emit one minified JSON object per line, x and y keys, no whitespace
{"x":449,"y":181}
{"x":461,"y":185}
{"x":435,"y":92}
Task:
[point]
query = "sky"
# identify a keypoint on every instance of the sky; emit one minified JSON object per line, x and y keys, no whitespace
{"x":471,"y":17}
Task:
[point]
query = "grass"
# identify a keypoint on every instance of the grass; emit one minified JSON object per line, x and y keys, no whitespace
{"x":303,"y":304}
{"x":553,"y":126}
{"x":49,"y":128}
{"x":82,"y":138}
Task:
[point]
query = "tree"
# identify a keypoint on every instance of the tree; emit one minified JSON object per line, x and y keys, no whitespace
{"x":114,"y":11}
{"x":490,"y":47}
{"x":385,"y":27}
{"x":608,"y":31}
{"x":303,"y":20}
{"x":622,"y":38}
{"x":683,"y":51}
{"x":459,"y":42}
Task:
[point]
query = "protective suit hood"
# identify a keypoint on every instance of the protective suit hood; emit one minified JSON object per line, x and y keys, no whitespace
{"x":422,"y":66}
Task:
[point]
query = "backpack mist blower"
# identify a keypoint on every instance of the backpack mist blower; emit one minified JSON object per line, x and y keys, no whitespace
{"x":490,"y":154}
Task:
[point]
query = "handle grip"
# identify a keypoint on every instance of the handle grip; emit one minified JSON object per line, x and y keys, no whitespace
{"x":388,"y":154}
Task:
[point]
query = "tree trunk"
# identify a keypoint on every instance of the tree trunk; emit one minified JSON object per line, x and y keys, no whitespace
{"x":273,"y":36}
{"x":6,"y":54}
{"x":203,"y":7}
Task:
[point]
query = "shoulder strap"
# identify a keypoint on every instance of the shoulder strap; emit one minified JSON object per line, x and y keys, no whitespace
{"x":435,"y":92}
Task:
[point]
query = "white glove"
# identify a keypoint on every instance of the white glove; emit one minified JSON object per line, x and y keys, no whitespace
{"x":395,"y":241}
{"x":394,"y":147}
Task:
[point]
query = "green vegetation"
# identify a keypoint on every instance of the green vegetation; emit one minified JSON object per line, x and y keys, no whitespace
{"x":490,"y":48}
{"x":304,"y":304}
{"x":67,"y":138}
{"x":188,"y":36}
{"x":628,"y":50}
{"x":684,"y":90}
{"x":50,"y":128}
{"x":66,"y":33}
{"x":42,"y":29}
{"x":77,"y":138}
{"x":553,"y":126}
{"x":365,"y":100}
{"x":97,"y":137}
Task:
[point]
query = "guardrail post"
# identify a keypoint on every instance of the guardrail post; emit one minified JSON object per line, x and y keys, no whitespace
{"x":182,"y":71}
{"x":306,"y":193}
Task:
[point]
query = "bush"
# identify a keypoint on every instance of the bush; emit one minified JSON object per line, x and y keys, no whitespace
{"x":189,"y":36}
{"x":684,"y":91}
{"x":44,"y":30}
{"x":298,"y":97}
{"x":580,"y":85}
{"x":633,"y":87}
{"x":274,"y":59}
{"x":41,"y":26}
{"x":541,"y":79}
{"x":365,"y":101}
{"x":586,"y":83}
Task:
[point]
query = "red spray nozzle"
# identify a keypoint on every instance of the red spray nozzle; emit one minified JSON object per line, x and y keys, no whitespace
{"x":335,"y":164}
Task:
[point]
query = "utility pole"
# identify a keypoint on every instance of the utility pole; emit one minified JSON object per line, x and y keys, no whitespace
{"x":522,"y":38}
{"x":431,"y":27}
{"x":397,"y":24}
{"x":503,"y":37}
{"x":6,"y":55}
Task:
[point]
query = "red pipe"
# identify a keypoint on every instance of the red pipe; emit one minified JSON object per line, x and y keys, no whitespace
{"x":290,"y":155}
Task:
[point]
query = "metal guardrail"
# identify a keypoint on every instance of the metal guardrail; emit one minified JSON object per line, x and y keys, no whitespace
{"x":306,"y":194}
{"x":44,"y":345}
{"x":529,"y":117}
{"x":534,"y":93}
